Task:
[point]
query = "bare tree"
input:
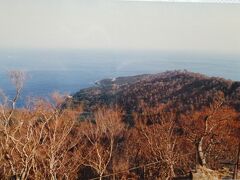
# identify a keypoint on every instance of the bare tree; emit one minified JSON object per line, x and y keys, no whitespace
{"x":58,"y":139}
{"x":157,"y":128}
{"x":102,"y":138}
{"x":7,"y":110}
{"x":41,"y":142}
{"x":8,"y":105}
{"x":209,"y":129}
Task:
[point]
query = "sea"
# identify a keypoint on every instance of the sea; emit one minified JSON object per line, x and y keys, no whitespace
{"x":68,"y":71}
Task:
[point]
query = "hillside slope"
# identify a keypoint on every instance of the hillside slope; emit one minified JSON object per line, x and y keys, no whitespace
{"x":182,"y":91}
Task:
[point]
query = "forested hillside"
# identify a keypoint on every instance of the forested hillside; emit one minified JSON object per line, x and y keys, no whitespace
{"x":161,"y":126}
{"x":181,"y":91}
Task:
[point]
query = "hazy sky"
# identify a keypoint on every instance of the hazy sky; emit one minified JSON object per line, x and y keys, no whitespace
{"x":121,"y":25}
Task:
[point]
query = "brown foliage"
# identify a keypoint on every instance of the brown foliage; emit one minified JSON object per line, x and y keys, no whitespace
{"x":40,"y":144}
{"x":49,"y":140}
{"x":101,"y":138}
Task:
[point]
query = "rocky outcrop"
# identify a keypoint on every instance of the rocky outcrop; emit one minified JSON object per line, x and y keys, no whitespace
{"x":203,"y":173}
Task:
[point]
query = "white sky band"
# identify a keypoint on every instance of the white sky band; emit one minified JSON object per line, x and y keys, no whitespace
{"x":120,"y":25}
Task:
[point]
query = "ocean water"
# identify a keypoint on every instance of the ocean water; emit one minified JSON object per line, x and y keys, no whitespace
{"x":68,"y":71}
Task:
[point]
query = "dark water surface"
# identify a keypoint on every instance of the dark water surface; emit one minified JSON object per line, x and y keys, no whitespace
{"x":69,"y":71}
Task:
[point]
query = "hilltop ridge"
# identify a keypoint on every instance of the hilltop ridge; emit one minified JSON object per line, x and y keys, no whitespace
{"x":181,"y":90}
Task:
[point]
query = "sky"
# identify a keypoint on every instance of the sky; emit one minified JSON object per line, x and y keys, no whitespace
{"x":121,"y":25}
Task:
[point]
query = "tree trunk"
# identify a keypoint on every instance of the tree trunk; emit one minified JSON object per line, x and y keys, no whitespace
{"x":172,"y":173}
{"x":200,"y":154}
{"x":53,"y":176}
{"x":100,"y":176}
